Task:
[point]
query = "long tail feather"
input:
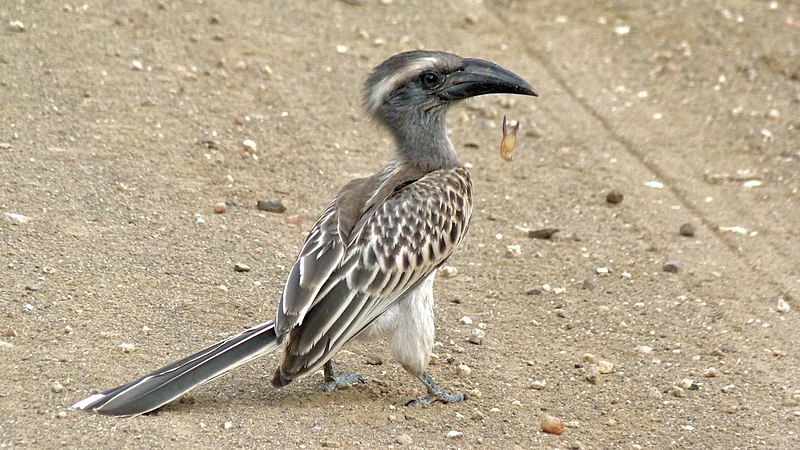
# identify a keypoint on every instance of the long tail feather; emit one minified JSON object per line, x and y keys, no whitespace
{"x":164,"y":385}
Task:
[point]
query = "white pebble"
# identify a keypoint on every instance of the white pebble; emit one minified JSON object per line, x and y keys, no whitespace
{"x":514,"y":250}
{"x":685,"y":383}
{"x":729,"y":388}
{"x":476,"y":337}
{"x":538,"y":385}
{"x":465,"y":320}
{"x":711,"y":373}
{"x":677,"y":391}
{"x":404,"y":439}
{"x":137,"y":65}
{"x":19,"y":218}
{"x":644,"y":349}
{"x":57,"y":387}
{"x":783,"y":306}
{"x":605,"y":367}
{"x":463,"y":370}
{"x":127,"y":348}
{"x":448,"y":271}
{"x":453,"y":434}
{"x":16,"y":25}
{"x":249,"y":145}
{"x":227,"y":425}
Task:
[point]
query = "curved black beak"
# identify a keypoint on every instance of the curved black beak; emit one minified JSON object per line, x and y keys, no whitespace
{"x":480,"y":77}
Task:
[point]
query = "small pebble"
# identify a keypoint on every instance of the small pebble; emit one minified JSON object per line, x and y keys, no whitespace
{"x":448,"y":271}
{"x":220,"y":208}
{"x":434,"y":359}
{"x":453,"y":434}
{"x":463,"y":370}
{"x":375,"y":360}
{"x":57,"y":387}
{"x":10,"y":332}
{"x":274,"y":206}
{"x":476,"y":337}
{"x":605,"y":367}
{"x":61,"y":414}
{"x":773,"y":114}
{"x":677,"y":391}
{"x":588,"y":284}
{"x":34,"y":287}
{"x":614,"y":197}
{"x":685,"y":383}
{"x":512,"y":251}
{"x":239,"y":267}
{"x":249,"y":146}
{"x":227,"y":425}
{"x":475,"y":393}
{"x":294,"y":219}
{"x":127,"y":348}
{"x":711,"y":373}
{"x":687,"y":229}
{"x":538,"y":385}
{"x":68,"y":329}
{"x":552,"y":425}
{"x":592,"y":374}
{"x":644,"y":349}
{"x":671,"y":266}
{"x":729,"y":388}
{"x":654,"y":393}
{"x":330,"y":444}
{"x":465,"y":320}
{"x":477,"y":415}
{"x":516,"y":403}
{"x":589,"y":358}
{"x":18,"y":218}
{"x":137,"y":65}
{"x":783,"y":306}
{"x":404,"y":439}
{"x":16,"y":25}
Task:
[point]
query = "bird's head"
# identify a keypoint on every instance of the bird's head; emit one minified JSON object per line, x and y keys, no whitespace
{"x":410,"y":92}
{"x":421,"y":81}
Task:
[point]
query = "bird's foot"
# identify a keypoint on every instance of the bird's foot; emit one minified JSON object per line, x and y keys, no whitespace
{"x":343,"y":380}
{"x":436,"y":394}
{"x":444,"y":397}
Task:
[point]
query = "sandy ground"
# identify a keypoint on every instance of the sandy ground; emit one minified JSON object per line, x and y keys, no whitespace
{"x":122,"y":125}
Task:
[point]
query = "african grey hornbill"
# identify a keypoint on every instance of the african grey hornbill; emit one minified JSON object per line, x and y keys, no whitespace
{"x":367,"y":266}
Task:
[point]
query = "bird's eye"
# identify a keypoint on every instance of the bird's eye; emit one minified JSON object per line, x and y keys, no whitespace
{"x":430,"y":79}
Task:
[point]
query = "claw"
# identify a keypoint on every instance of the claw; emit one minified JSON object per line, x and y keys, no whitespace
{"x":436,"y":394}
{"x":342,"y":381}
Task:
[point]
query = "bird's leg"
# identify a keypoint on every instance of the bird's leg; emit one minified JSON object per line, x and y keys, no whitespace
{"x":333,"y":381}
{"x":435,"y":393}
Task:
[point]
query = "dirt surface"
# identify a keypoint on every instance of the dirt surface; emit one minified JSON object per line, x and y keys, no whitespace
{"x":122,"y":125}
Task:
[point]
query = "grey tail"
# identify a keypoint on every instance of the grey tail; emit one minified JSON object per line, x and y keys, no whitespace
{"x":164,"y":385}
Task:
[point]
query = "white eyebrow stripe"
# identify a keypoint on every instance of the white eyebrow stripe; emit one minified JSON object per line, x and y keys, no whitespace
{"x":388,"y":84}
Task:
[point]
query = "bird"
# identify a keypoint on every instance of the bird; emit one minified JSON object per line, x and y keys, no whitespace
{"x":367,"y":267}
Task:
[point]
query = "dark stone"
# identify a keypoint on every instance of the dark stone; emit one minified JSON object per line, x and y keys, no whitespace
{"x":274,"y":206}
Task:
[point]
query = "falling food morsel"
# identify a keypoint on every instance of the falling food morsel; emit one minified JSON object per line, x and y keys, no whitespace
{"x":509,"y":139}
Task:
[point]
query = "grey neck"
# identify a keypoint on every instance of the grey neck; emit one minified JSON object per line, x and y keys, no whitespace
{"x":424,"y":143}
